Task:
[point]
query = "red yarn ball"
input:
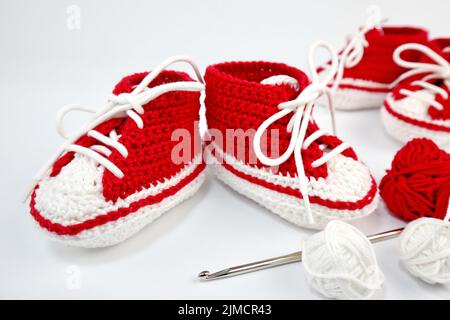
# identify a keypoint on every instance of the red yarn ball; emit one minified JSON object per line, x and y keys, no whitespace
{"x":418,"y":184}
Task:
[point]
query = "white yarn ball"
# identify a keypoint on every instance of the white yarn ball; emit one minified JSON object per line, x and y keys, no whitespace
{"x":425,"y":249}
{"x":340,"y":263}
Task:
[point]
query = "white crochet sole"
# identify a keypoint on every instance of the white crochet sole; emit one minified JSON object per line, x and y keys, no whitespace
{"x":357,"y":94}
{"x":404,"y":132}
{"x":117,"y":231}
{"x":354,"y":99}
{"x":287,"y":207}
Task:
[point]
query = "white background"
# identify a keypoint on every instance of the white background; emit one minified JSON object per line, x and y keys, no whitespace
{"x":44,"y":65}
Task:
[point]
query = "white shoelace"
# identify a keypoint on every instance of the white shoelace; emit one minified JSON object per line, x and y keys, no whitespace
{"x":122,"y":105}
{"x":301,"y":109}
{"x":353,"y":53}
{"x":440,"y":70}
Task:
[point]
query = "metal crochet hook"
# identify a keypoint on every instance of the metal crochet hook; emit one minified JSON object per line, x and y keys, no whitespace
{"x":281,"y":260}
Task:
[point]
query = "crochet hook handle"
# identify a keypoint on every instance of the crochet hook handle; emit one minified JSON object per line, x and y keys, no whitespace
{"x":281,"y":260}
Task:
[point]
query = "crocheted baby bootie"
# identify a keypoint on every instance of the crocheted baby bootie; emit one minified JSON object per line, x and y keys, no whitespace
{"x":366,"y":68}
{"x":419,"y":105}
{"x":118,"y":174}
{"x":306,"y":176}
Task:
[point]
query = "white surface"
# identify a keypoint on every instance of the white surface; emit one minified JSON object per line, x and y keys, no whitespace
{"x":44,"y":65}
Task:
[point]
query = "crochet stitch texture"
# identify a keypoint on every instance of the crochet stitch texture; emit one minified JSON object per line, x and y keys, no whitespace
{"x":235,"y":99}
{"x":366,"y":81}
{"x":419,"y":105}
{"x":377,"y":64}
{"x":418,"y":183}
{"x":81,"y":203}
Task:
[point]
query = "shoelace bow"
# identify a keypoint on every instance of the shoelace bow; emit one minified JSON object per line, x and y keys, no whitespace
{"x":122,"y":105}
{"x":301,"y":109}
{"x":439,"y":70}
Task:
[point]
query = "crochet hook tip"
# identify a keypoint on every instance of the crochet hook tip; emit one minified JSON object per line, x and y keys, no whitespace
{"x":225,"y":273}
{"x":204,"y":275}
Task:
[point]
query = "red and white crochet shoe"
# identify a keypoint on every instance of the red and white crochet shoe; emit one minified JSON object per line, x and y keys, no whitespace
{"x":319,"y":177}
{"x":116,"y":175}
{"x":419,"y":105}
{"x":366,"y":69}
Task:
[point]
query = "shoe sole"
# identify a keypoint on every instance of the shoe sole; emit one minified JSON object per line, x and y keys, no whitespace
{"x":290,"y":208}
{"x":404,"y":131}
{"x":348,"y":99}
{"x":114,"y":231}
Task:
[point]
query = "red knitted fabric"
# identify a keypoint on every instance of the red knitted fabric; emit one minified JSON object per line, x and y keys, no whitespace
{"x":437,"y":45}
{"x":377,"y":63}
{"x":149,"y":149}
{"x":418,"y":184}
{"x":235,"y":99}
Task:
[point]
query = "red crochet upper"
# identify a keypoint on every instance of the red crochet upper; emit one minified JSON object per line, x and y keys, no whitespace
{"x":377,"y":63}
{"x":440,"y":46}
{"x":149,"y":148}
{"x":235,"y":99}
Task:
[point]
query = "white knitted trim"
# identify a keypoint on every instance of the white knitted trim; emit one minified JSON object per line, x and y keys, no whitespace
{"x":415,"y":109}
{"x":404,"y":131}
{"x":365,"y":83}
{"x":289,"y":207}
{"x":117,"y":231}
{"x":348,"y":180}
{"x":355,"y":99}
{"x":351,"y":99}
{"x":76,"y":193}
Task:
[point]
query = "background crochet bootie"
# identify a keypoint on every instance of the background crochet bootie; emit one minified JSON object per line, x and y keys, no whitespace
{"x":366,"y":65}
{"x":117,"y":175}
{"x":324,"y":181}
{"x":419,"y":105}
